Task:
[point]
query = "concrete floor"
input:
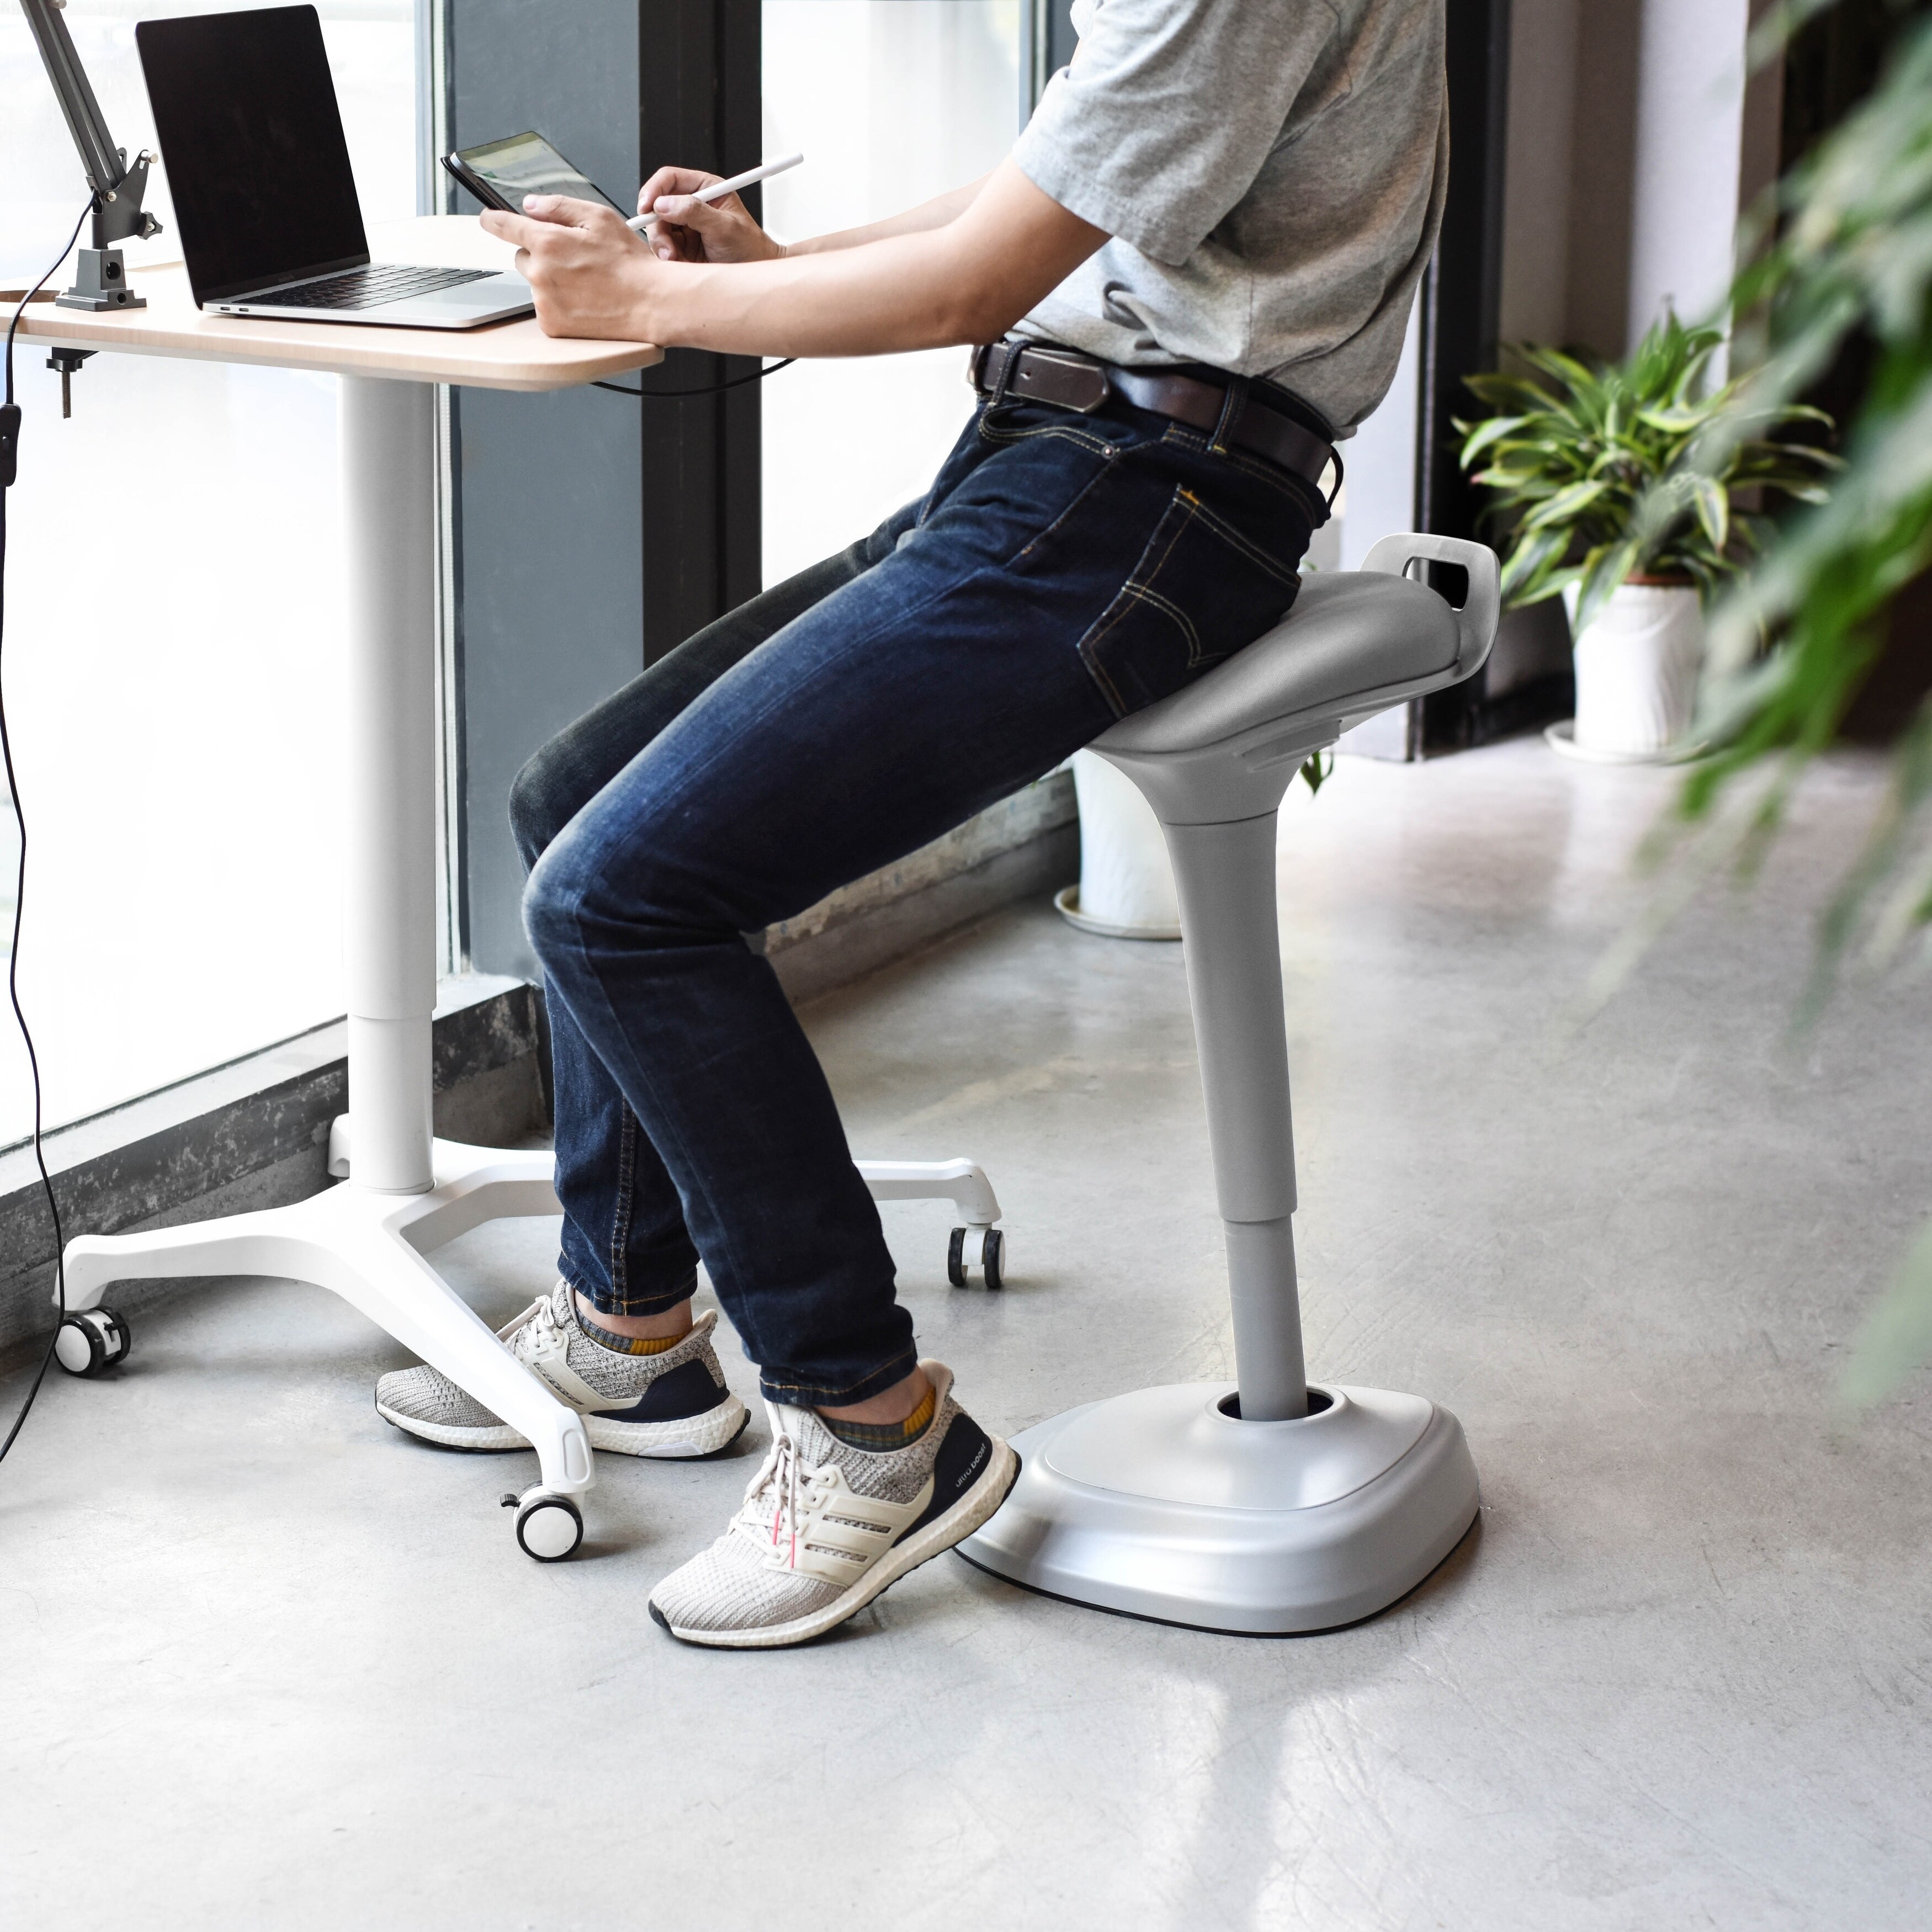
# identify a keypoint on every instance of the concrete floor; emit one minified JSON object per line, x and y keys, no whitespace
{"x":268,"y":1664}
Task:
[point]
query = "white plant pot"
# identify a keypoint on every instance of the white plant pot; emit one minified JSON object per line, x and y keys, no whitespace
{"x":1636,"y":671}
{"x":1126,"y":881}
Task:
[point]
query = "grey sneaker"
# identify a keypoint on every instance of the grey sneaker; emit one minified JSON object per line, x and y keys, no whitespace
{"x":825,"y":1527}
{"x":672,"y":1404}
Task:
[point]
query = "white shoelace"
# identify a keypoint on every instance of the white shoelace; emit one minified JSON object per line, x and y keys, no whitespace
{"x":769,"y":1518}
{"x":535,"y":1331}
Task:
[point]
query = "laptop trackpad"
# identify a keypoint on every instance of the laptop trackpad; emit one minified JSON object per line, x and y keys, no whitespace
{"x":490,"y":293}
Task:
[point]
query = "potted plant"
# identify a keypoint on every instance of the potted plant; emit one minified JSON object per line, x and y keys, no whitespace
{"x":1608,"y":501}
{"x":1126,"y":888}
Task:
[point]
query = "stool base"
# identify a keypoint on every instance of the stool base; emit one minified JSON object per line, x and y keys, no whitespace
{"x":1160,"y":1504}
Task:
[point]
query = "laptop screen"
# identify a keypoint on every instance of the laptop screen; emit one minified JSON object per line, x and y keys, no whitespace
{"x":252,"y":142}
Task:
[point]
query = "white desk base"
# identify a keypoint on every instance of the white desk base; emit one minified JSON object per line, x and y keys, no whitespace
{"x":406,"y":1192}
{"x":369,"y":1247}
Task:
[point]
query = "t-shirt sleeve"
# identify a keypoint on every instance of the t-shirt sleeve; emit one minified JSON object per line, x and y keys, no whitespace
{"x":1162,"y":122}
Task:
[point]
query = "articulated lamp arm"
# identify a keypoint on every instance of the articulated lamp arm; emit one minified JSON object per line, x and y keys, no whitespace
{"x":100,"y":277}
{"x":118,"y":187}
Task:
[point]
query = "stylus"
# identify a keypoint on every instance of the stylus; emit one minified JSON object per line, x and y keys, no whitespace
{"x":718,"y":190}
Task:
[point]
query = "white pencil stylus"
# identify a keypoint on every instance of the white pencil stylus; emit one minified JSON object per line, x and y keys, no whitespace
{"x":718,"y":190}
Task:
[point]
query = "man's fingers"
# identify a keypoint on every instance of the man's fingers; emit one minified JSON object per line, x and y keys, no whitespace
{"x":708,"y":217}
{"x":673,"y":180}
{"x":555,"y":230}
{"x":562,"y":210}
{"x":670,"y":243}
{"x":520,"y":229}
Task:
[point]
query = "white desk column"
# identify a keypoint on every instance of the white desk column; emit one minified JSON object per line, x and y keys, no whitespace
{"x":407,"y":1194}
{"x":390,"y":936}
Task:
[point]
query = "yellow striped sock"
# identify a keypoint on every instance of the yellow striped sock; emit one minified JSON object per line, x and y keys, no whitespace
{"x":628,"y":1345}
{"x":880,"y":1436}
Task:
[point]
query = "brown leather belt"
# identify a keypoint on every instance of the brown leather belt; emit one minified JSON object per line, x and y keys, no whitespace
{"x":1068,"y":380}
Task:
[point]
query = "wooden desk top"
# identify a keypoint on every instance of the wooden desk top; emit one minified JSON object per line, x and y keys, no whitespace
{"x":501,"y":355}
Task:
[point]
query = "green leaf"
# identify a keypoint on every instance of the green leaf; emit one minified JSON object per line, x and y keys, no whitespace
{"x":1571,"y":374}
{"x":1485,"y":433}
{"x":1714,"y":510}
{"x":1565,"y":504}
{"x":1510,"y":393}
{"x":1526,"y":574}
{"x":1674,"y":422}
{"x":1896,"y":1337}
{"x":1603,"y":569}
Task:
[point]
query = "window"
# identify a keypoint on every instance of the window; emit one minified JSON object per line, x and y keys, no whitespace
{"x":893,"y":102}
{"x":174,"y":629}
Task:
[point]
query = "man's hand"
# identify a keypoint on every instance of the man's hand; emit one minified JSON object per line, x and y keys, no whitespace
{"x":963,"y":268}
{"x":701,"y":231}
{"x":587,"y":269}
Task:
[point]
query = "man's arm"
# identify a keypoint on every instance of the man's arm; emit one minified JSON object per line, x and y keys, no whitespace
{"x":968,"y":280}
{"x":724,"y":231}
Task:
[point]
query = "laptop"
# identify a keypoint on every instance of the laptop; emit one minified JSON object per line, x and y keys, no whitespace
{"x":264,"y":200}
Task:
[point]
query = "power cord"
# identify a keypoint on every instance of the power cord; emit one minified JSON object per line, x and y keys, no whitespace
{"x":9,"y":445}
{"x":715,"y":389}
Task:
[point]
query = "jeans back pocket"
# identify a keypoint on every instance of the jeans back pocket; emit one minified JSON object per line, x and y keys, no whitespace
{"x":1200,"y":592}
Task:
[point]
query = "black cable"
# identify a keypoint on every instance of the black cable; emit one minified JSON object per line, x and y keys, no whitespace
{"x":715,"y":389}
{"x":20,"y":888}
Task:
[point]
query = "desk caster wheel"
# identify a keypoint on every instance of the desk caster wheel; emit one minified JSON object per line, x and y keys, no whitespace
{"x":984,"y":1249}
{"x":91,"y":1341}
{"x":549,"y":1526}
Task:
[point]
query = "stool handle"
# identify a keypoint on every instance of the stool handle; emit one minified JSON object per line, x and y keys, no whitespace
{"x":1482,"y":609}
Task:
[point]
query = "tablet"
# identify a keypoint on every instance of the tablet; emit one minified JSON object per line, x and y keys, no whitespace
{"x":500,"y":173}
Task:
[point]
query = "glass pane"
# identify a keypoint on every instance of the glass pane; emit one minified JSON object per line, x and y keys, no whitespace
{"x":173,"y":630}
{"x":893,"y":102}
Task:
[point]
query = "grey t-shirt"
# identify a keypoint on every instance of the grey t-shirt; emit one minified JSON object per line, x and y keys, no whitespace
{"x":1272,"y":172}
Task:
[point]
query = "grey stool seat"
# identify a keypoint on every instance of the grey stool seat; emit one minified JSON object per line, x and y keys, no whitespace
{"x":1349,"y":634}
{"x":1268,"y":1506}
{"x":1356,"y":643}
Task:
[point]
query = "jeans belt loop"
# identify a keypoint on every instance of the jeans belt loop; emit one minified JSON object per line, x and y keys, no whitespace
{"x":1234,"y":400}
{"x":1008,"y":355}
{"x":1341,"y":477}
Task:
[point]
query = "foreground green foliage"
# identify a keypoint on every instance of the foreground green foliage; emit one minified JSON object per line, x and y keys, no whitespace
{"x":1596,"y":473}
{"x":1856,"y":253}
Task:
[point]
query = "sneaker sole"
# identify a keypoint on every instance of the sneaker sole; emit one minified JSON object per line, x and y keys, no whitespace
{"x":958,"y":1523}
{"x":689,"y":1440}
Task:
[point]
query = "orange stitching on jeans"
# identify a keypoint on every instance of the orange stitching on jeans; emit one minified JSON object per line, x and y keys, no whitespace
{"x":1229,"y":535}
{"x":1182,"y":494}
{"x":1079,"y":497}
{"x":1011,"y":436}
{"x":1283,"y":480}
{"x":620,"y":1221}
{"x":1196,"y":655}
{"x":1134,"y":588}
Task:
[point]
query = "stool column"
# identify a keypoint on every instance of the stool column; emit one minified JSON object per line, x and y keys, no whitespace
{"x":389,"y":940}
{"x":1225,"y":877}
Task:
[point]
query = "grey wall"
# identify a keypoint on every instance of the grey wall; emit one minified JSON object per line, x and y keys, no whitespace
{"x":1536,"y":199}
{"x":549,"y":586}
{"x":1684,"y":198}
{"x":1602,"y":157}
{"x":1631,"y":152}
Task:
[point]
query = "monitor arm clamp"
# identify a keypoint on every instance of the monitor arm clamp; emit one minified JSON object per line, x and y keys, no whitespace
{"x":100,"y":279}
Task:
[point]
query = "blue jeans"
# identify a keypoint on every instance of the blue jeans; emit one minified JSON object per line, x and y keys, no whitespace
{"x":1064,"y":571}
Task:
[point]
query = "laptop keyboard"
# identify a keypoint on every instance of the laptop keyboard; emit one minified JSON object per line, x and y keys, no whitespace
{"x":370,"y":287}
